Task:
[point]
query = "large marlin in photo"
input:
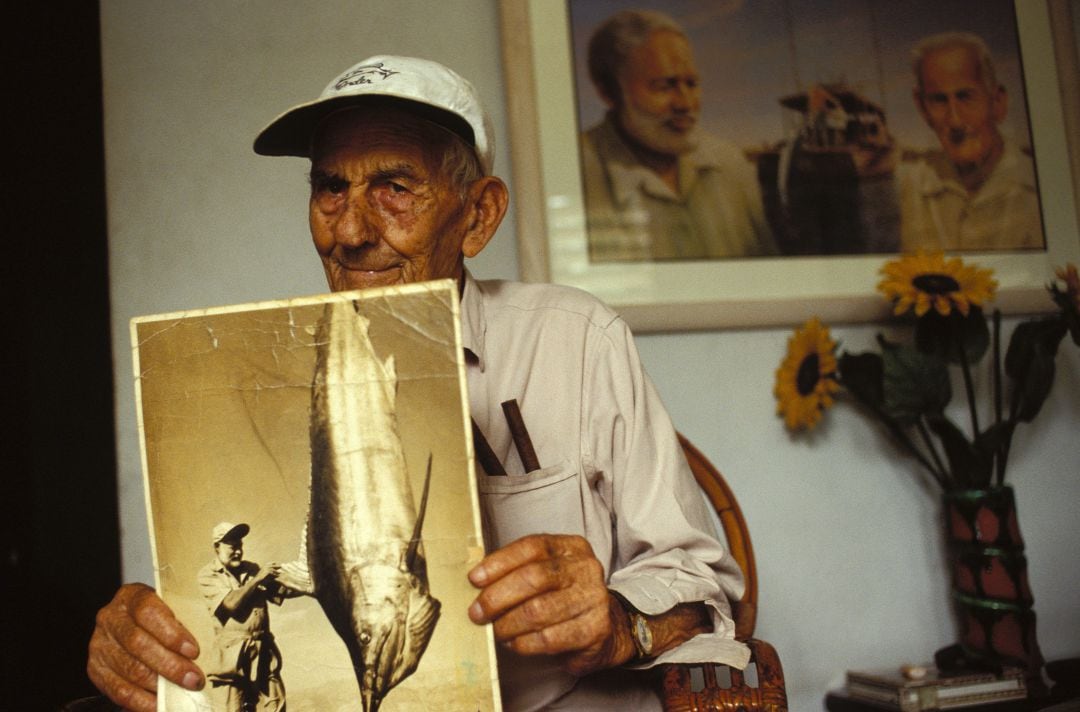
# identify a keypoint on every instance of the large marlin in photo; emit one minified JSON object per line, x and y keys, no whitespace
{"x":364,"y":562}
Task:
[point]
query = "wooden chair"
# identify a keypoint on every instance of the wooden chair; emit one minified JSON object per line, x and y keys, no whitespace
{"x":702,"y":688}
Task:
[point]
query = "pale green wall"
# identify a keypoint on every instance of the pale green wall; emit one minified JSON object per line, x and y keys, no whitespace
{"x":848,"y":547}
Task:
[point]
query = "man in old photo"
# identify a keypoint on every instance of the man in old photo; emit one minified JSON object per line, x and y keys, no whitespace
{"x":980,"y":192}
{"x":658,"y":187}
{"x":244,"y":664}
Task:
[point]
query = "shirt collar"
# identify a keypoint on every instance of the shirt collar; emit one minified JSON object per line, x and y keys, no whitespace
{"x":1009,"y":169}
{"x":220,"y":568}
{"x":473,"y":320}
{"x":628,"y":176}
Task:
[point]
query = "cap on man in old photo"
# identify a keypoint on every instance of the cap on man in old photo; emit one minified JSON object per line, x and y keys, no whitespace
{"x":230,"y":531}
{"x":433,"y":91}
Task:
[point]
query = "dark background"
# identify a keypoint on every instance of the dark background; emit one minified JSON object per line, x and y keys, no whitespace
{"x":60,"y":556}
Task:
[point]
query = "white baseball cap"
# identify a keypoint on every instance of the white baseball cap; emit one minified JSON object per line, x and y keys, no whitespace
{"x":230,"y":531}
{"x":433,"y":91}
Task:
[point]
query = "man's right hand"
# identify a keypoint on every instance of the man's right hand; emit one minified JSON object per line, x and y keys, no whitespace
{"x":137,"y":638}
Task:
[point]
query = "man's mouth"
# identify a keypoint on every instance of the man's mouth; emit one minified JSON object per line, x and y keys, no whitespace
{"x":364,"y":267}
{"x":957,"y":137}
{"x":681,"y":123}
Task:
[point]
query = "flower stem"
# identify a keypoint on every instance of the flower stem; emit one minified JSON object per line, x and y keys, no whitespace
{"x":945,"y":479}
{"x":902,"y":438}
{"x":999,"y":455}
{"x":969,"y":389}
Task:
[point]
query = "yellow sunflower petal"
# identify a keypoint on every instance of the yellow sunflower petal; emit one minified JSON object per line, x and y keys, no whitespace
{"x":805,"y":379}
{"x":927,"y":280}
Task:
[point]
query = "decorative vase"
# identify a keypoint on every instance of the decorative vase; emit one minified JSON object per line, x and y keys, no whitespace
{"x":990,"y":582}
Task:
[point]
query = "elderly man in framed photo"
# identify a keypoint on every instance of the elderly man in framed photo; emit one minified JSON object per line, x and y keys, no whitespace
{"x":980,"y":193}
{"x":603,"y":558}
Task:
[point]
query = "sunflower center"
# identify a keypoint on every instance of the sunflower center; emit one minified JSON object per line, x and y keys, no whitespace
{"x":935,"y":283}
{"x":809,"y":375}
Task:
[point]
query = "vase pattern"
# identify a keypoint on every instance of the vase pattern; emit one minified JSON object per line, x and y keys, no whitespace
{"x":990,"y":581}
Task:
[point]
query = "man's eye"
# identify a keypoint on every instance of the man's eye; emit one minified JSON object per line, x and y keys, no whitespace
{"x":331,"y":184}
{"x":398,"y":188}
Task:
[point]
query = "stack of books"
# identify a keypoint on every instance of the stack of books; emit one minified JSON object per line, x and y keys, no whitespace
{"x":935,"y":691}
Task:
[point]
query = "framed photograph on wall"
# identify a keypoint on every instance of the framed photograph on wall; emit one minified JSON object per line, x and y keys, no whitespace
{"x":804,"y":115}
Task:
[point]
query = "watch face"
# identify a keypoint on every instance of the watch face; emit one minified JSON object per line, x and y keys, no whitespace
{"x":643,"y":634}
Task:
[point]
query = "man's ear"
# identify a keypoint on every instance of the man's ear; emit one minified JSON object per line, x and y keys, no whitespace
{"x":607,"y":95}
{"x":488,"y":199}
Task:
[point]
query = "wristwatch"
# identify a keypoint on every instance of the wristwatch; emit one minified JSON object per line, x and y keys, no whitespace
{"x":640,"y":632}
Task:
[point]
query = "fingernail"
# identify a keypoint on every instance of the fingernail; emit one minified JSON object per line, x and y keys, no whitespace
{"x":188,"y":650}
{"x":478,"y":576}
{"x":476,"y":613}
{"x":192,"y":681}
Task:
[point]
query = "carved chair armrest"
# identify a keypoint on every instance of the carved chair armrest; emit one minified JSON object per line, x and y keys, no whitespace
{"x":767,"y":695}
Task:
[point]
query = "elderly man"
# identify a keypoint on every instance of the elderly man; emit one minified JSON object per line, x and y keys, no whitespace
{"x":244,"y":666}
{"x":656,"y":186}
{"x":981,"y":194}
{"x":604,"y":558}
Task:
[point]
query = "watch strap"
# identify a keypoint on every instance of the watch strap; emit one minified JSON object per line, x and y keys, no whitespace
{"x":640,"y":632}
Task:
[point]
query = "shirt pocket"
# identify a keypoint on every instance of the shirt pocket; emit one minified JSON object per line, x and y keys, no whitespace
{"x":544,"y":501}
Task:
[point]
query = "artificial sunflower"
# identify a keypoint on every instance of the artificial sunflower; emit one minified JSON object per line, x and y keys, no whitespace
{"x":1068,"y":299}
{"x":926,"y":280}
{"x":1069,"y":276}
{"x":806,"y":379}
{"x":907,"y":387}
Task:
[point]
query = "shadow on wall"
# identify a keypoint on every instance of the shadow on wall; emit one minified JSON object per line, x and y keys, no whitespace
{"x":60,"y":559}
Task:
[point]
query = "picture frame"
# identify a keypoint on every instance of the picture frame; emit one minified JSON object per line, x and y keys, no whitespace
{"x":241,"y":411}
{"x":749,"y":292}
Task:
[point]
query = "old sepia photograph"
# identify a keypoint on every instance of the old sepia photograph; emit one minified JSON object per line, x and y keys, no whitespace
{"x":311,"y":501}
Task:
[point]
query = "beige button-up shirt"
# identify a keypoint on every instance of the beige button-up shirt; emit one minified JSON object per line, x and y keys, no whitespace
{"x":938,"y":213}
{"x":611,"y":470}
{"x":633,"y":215}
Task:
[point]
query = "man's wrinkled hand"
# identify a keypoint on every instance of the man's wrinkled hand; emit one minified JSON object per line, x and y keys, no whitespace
{"x":137,"y":638}
{"x":545,"y":595}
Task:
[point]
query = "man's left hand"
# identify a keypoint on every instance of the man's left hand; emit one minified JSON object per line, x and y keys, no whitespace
{"x":545,"y":595}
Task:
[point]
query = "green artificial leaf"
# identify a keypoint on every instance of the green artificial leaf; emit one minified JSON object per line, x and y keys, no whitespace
{"x":1029,"y":361}
{"x":861,"y":374}
{"x":970,"y":466}
{"x":943,"y":336}
{"x":915,"y":383}
{"x":996,"y":437}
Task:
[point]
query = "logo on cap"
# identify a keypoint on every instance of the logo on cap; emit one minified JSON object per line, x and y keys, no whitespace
{"x":364,"y":75}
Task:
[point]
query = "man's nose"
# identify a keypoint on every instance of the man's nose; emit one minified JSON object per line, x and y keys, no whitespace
{"x":355,"y":227}
{"x":953,"y":114}
{"x":682,"y":97}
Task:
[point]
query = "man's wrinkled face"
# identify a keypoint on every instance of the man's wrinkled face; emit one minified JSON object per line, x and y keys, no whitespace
{"x":960,"y":109}
{"x":230,"y":552}
{"x":661,"y":94}
{"x":381,"y":211}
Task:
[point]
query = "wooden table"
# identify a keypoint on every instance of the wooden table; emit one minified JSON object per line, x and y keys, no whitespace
{"x":841,"y":702}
